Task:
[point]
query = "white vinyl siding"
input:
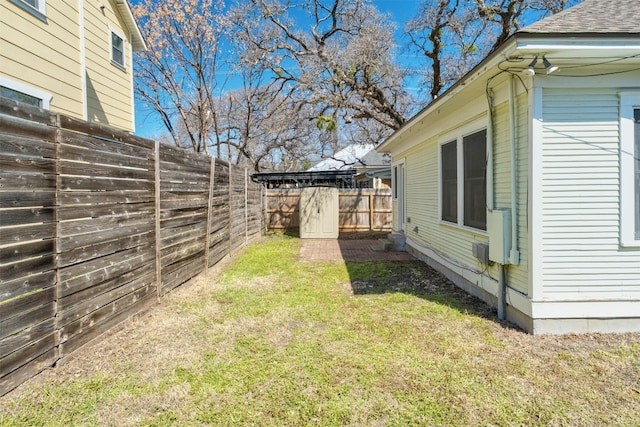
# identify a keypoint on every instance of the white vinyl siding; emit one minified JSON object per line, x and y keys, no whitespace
{"x":581,"y":254}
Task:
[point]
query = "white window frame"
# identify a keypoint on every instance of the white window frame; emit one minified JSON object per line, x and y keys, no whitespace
{"x":458,"y":136}
{"x":45,"y":97}
{"x":628,"y":102}
{"x":122,"y":66}
{"x":399,"y":197}
{"x":39,"y":11}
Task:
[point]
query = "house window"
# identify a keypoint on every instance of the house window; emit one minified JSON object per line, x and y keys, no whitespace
{"x":395,"y":180}
{"x":23,"y":93}
{"x":117,"y":49}
{"x":20,"y":97}
{"x":630,"y":169}
{"x":463,"y":164}
{"x":449,"y":172}
{"x":34,"y":7}
{"x":636,"y":169}
{"x":475,"y":192}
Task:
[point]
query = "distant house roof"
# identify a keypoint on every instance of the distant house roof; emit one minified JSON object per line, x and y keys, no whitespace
{"x":353,"y":156}
{"x":591,"y":17}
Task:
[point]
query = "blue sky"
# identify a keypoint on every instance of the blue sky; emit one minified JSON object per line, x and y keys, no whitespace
{"x":149,"y":125}
{"x":402,"y":10}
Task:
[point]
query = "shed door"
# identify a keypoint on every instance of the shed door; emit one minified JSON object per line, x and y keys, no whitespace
{"x":319,"y":213}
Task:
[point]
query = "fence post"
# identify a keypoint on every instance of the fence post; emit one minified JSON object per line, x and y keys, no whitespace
{"x":157,"y":209}
{"x":56,"y":244}
{"x":212,"y":171}
{"x":371,"y":211}
{"x":246,"y":207}
{"x":230,"y":210}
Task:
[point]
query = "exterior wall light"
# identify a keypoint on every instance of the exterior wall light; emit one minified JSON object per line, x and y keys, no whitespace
{"x":531,"y":69}
{"x":550,"y":68}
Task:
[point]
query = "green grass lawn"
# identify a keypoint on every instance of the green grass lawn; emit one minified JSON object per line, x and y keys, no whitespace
{"x":272,"y":341}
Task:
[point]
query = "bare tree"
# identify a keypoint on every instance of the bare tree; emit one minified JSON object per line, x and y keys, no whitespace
{"x":447,"y":34}
{"x":454,"y":35}
{"x":266,"y":129}
{"x":337,"y":55}
{"x":176,"y":76}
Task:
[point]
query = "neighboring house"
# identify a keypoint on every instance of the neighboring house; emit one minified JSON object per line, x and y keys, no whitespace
{"x":74,"y":57}
{"x":372,"y":169}
{"x":522,"y":182}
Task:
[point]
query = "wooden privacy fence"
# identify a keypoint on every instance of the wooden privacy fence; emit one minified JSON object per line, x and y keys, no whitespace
{"x":359,"y":209}
{"x":96,"y":225}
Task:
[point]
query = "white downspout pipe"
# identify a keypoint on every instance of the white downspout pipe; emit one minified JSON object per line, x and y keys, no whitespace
{"x":489,"y":172}
{"x":502,"y":283}
{"x":514,"y":255}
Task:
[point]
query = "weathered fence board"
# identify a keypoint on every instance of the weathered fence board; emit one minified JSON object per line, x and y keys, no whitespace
{"x":128,"y":147}
{"x":25,"y":285}
{"x":27,"y":216}
{"x":26,"y":319}
{"x":95,"y":224}
{"x":27,"y":248}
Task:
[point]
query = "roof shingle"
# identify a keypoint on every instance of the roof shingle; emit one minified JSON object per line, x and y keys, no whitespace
{"x":591,"y":17}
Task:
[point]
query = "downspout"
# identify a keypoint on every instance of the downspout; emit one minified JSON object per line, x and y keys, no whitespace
{"x":514,"y":256}
{"x":489,"y":172}
{"x":502,"y":283}
{"x":83,"y":62}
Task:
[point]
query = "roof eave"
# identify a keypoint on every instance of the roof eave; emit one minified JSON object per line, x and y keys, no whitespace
{"x":137,"y":41}
{"x":577,"y":41}
{"x":490,"y":62}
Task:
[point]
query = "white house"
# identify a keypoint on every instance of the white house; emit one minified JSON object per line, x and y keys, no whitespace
{"x":372,"y":169}
{"x":521,"y":183}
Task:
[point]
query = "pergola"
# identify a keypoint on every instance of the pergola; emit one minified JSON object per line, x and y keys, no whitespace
{"x":335,"y":178}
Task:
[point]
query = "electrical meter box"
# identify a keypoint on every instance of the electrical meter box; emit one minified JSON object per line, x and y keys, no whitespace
{"x":499,"y":230}
{"x":319,"y":210}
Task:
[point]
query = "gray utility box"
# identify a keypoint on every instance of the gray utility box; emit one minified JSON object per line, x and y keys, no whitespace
{"x":319,"y":213}
{"x":499,"y":230}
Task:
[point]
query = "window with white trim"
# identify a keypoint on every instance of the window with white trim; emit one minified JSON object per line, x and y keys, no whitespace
{"x":35,"y":7}
{"x":475,"y":193}
{"x":117,"y":49}
{"x":630,"y":169}
{"x":24,"y":93}
{"x":636,"y":169}
{"x":449,"y":176}
{"x":463,"y":187}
